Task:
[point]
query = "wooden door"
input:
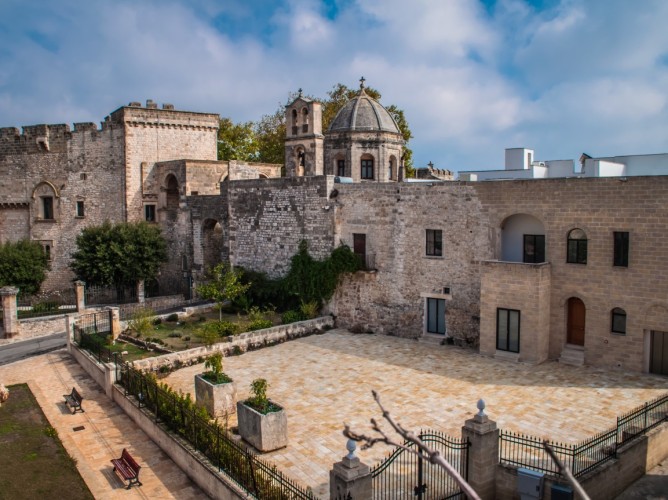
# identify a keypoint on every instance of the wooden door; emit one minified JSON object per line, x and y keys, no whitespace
{"x":576,"y":321}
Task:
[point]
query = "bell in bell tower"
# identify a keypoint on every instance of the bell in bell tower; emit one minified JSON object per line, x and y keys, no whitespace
{"x":303,"y":137}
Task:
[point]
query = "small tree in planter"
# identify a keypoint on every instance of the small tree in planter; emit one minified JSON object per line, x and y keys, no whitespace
{"x":262,"y":423}
{"x":214,"y":390}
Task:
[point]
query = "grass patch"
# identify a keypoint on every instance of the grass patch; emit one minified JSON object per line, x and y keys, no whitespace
{"x":33,"y":461}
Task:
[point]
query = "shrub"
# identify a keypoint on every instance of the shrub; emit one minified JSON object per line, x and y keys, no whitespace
{"x":214,"y":365}
{"x":175,"y":335}
{"x":157,"y":321}
{"x":141,"y":322}
{"x":259,"y":399}
{"x":23,"y":264}
{"x":259,"y":324}
{"x":309,"y":310}
{"x":291,"y":316}
{"x":172,"y":318}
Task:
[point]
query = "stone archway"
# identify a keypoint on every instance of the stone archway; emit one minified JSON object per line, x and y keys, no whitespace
{"x":212,"y":243}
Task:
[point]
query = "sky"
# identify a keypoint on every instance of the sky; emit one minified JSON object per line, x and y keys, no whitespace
{"x":473,"y":77}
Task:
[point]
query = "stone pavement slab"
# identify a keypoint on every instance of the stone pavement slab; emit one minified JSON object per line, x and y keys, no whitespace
{"x":324,"y":380}
{"x":106,"y":431}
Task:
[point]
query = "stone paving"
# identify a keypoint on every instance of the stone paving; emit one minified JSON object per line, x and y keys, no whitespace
{"x":324,"y":380}
{"x":107,"y":430}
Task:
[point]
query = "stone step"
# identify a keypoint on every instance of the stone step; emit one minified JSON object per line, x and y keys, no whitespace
{"x":572,"y":356}
{"x":431,"y":339}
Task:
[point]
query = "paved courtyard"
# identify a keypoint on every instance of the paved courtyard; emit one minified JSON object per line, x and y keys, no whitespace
{"x":106,"y":430}
{"x":324,"y":380}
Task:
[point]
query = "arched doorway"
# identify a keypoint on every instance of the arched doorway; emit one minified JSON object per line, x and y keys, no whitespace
{"x":212,"y":243}
{"x":576,"y":322}
{"x":523,"y":239}
{"x":172,"y":200}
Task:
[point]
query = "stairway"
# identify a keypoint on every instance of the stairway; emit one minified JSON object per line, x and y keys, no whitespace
{"x":431,"y":339}
{"x":572,"y":355}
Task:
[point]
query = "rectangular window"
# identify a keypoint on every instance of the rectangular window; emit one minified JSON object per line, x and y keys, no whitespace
{"x":47,"y":207}
{"x":435,"y":242}
{"x":149,"y":213}
{"x":577,"y":252}
{"x":436,"y":316}
{"x":618,"y":320}
{"x":508,"y":330}
{"x":534,"y":248}
{"x":341,"y":168}
{"x":621,"y":258}
{"x":359,"y":248}
{"x":367,"y":169}
{"x":80,"y":208}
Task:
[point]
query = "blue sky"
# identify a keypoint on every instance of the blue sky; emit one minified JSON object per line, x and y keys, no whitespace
{"x":473,"y":77}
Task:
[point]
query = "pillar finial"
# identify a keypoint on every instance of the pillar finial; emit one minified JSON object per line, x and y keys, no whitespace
{"x":481,"y":407}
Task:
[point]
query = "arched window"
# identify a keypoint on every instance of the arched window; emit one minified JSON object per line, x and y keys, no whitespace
{"x":172,"y":201}
{"x":304,"y":120}
{"x":576,"y":252}
{"x":618,"y":321}
{"x":295,"y":119}
{"x":367,"y":168}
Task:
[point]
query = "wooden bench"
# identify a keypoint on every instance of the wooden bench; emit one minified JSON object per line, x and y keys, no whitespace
{"x":128,"y":468}
{"x":73,"y":400}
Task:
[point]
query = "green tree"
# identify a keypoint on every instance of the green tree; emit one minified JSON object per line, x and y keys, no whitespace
{"x":237,"y":141}
{"x":119,"y":254}
{"x":270,"y":134}
{"x":23,"y":264}
{"x":224,"y":285}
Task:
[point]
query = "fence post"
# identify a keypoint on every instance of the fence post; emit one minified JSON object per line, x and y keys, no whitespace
{"x":483,"y":454}
{"x":10,"y":319}
{"x":115,"y":321}
{"x":141,"y":294}
{"x":80,"y":294}
{"x":350,"y":478}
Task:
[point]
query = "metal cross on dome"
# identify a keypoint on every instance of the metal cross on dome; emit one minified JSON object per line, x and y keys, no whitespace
{"x":362,"y":80}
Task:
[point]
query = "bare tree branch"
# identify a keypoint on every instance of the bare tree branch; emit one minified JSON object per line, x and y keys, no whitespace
{"x":421,"y":450}
{"x":566,"y":471}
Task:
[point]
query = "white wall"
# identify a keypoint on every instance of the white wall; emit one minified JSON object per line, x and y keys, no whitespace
{"x":512,"y":236}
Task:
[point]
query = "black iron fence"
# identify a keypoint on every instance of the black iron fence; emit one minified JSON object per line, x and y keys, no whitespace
{"x":257,"y":477}
{"x":96,"y":295}
{"x":527,"y":451}
{"x":403,"y":474}
{"x":92,"y":332}
{"x":46,"y":304}
{"x":641,"y":419}
{"x":174,"y":285}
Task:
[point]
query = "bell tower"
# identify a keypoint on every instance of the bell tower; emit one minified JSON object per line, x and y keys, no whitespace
{"x":303,"y":137}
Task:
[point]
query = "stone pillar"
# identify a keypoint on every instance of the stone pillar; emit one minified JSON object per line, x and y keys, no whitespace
{"x":141,"y":295}
{"x":10,"y":319}
{"x":483,"y":435}
{"x":350,"y":477}
{"x":80,"y":293}
{"x":115,"y":322}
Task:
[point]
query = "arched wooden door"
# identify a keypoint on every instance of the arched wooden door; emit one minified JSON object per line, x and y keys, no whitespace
{"x":576,"y":322}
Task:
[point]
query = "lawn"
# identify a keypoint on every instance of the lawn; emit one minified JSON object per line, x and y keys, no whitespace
{"x":33,"y":461}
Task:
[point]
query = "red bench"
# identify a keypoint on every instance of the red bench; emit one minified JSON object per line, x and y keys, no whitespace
{"x":128,"y":468}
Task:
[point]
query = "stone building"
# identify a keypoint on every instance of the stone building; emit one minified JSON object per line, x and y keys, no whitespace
{"x":524,"y":269}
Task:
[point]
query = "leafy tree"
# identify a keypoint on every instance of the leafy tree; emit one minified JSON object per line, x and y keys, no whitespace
{"x":237,"y":141}
{"x":119,"y":254}
{"x":23,"y":264}
{"x":224,"y":285}
{"x":270,"y":133}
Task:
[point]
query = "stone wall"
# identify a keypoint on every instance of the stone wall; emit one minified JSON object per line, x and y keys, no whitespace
{"x":394,"y":218}
{"x":71,"y":166}
{"x":269,"y":217}
{"x":522,"y":287}
{"x":599,"y":206}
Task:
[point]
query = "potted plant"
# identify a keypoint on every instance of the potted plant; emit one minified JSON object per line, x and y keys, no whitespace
{"x":214,"y":390}
{"x":262,"y":423}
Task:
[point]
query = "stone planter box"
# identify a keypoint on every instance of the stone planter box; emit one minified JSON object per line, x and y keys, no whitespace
{"x":218,"y":399}
{"x":265,"y":432}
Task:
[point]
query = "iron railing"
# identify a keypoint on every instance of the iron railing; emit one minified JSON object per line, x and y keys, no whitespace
{"x":91,"y":332}
{"x":107,"y":295}
{"x":257,"y":477}
{"x":46,"y":304}
{"x":641,"y":419}
{"x":527,"y":451}
{"x":404,"y":475}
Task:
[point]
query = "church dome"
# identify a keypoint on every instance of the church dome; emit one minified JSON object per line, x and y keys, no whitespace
{"x":362,"y":113}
